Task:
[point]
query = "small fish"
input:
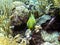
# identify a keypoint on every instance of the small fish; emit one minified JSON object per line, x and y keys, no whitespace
{"x":31,"y":22}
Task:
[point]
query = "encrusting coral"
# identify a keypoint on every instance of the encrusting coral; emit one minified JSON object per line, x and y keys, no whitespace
{"x":19,"y":14}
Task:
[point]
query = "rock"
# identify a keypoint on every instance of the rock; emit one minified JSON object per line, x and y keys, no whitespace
{"x":19,"y":14}
{"x":28,"y":33}
{"x":43,"y":19}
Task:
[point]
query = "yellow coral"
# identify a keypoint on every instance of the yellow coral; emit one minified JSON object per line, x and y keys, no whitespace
{"x":57,"y":3}
{"x":6,"y":41}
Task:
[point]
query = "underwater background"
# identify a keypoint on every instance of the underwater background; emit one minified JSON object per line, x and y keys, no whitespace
{"x":29,"y":22}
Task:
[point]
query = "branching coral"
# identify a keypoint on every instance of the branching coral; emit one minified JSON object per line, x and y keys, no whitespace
{"x":6,"y":6}
{"x":17,"y":40}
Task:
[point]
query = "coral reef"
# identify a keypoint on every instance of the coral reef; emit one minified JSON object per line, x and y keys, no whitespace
{"x":53,"y":37}
{"x":29,"y":22}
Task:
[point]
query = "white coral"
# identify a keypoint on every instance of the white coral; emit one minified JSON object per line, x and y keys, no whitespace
{"x":20,"y":8}
{"x":18,"y":3}
{"x":50,"y":37}
{"x":47,"y":43}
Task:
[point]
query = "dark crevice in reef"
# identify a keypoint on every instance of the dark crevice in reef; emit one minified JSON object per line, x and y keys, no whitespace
{"x":36,"y":39}
{"x":53,"y":24}
{"x":19,"y":29}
